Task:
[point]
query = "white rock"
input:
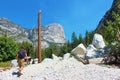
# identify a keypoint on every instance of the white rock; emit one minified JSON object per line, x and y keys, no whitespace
{"x":91,"y":51}
{"x":66,"y":56}
{"x":98,"y":41}
{"x":36,"y":60}
{"x":46,"y":60}
{"x":14,"y":63}
{"x":68,"y":69}
{"x":55,"y":58}
{"x":80,"y":49}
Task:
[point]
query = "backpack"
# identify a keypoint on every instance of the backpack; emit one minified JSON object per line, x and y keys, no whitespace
{"x":21,"y":54}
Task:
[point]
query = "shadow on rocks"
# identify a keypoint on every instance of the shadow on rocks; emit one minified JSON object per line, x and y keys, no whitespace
{"x":14,"y":73}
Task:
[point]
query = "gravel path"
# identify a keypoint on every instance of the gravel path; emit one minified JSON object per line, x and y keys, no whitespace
{"x":67,"y":69}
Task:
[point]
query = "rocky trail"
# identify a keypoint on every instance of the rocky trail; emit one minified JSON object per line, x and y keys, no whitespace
{"x":67,"y":68}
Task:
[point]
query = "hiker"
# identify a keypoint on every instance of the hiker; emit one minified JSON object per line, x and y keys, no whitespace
{"x":21,"y":56}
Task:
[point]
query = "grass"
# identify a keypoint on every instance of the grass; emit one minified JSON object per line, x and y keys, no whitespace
{"x":5,"y":64}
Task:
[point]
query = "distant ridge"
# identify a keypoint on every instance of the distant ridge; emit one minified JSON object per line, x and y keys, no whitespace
{"x":52,"y":33}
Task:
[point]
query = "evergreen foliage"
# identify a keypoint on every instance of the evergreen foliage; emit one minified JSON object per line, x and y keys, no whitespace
{"x":55,"y":49}
{"x":88,"y":38}
{"x":8,"y":48}
{"x":80,"y":40}
{"x":74,"y":41}
{"x":109,"y":32}
{"x":109,"y":29}
{"x":46,"y":53}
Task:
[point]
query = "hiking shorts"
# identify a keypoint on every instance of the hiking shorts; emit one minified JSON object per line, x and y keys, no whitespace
{"x":21,"y":62}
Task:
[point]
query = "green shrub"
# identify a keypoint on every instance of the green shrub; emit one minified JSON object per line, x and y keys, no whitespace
{"x":5,"y":64}
{"x":8,"y":48}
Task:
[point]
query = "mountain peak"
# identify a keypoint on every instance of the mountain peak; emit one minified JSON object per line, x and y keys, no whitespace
{"x":52,"y":33}
{"x":108,"y":16}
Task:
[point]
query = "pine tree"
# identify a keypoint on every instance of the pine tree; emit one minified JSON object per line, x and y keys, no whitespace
{"x":74,"y":41}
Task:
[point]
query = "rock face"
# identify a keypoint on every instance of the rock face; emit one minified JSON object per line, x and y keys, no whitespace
{"x":52,"y":33}
{"x":108,"y":16}
{"x":16,"y":31}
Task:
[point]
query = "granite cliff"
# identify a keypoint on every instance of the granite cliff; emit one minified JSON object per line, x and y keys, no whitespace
{"x":52,"y":33}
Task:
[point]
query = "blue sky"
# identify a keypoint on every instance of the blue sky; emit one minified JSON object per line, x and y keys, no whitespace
{"x":74,"y":15}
